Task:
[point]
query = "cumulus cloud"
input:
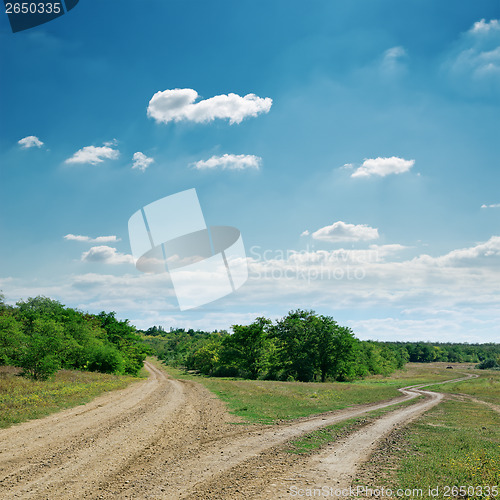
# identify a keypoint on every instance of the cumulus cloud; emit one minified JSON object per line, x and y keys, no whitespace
{"x":141,"y":161}
{"x":229,"y":162}
{"x":383,"y":166}
{"x":179,"y":105}
{"x":494,"y":205}
{"x":88,"y":239}
{"x":94,"y":155}
{"x":340,"y":231}
{"x":482,"y":26}
{"x":106,"y":255}
{"x":32,"y":141}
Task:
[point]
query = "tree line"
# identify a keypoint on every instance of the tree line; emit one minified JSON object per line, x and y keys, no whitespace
{"x":41,"y":335}
{"x":302,"y":346}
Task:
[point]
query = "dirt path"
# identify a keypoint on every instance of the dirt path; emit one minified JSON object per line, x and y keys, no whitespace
{"x":161,"y":438}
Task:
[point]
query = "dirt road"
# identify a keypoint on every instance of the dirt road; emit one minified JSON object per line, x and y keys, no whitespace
{"x":171,"y":439}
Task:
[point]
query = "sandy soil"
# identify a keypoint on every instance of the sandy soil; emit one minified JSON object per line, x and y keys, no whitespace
{"x":172,"y":439}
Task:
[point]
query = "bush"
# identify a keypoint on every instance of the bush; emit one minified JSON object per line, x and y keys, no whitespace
{"x":104,"y":359}
{"x":488,"y":364}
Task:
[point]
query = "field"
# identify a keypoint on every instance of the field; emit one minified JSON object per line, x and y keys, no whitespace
{"x":266,"y":401}
{"x":456,"y":444}
{"x":22,"y":399}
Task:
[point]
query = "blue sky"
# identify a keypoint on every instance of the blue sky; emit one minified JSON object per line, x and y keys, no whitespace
{"x":377,"y":161}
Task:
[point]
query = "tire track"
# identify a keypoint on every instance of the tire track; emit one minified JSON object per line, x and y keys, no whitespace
{"x":161,"y":438}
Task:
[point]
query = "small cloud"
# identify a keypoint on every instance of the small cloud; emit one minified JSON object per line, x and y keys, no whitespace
{"x":179,"y":105}
{"x":305,"y":233}
{"x":106,"y":255}
{"x":88,"y":239}
{"x":481,"y":27}
{"x":393,"y":59}
{"x":229,"y":162}
{"x":494,"y":205}
{"x":383,"y":166}
{"x":32,"y":141}
{"x":94,"y":155}
{"x":111,"y":143}
{"x":341,"y":231}
{"x":141,"y":161}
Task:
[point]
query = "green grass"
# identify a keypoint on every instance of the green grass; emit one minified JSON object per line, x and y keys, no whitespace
{"x":315,"y":440}
{"x":486,"y":388}
{"x":266,"y":401}
{"x":455,"y":444}
{"x":23,"y":399}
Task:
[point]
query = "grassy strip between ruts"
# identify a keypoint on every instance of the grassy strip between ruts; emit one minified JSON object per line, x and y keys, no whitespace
{"x":453,"y":451}
{"x":317,"y":439}
{"x":265,"y":401}
{"x":22,"y":399}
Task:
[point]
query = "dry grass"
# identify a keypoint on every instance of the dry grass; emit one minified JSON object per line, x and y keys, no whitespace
{"x":22,"y":399}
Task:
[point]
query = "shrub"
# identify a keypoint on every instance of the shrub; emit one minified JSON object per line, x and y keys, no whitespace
{"x":488,"y":364}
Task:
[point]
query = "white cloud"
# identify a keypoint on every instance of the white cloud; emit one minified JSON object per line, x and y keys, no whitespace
{"x":106,"y":255}
{"x":305,"y":233}
{"x":393,"y":60}
{"x":88,"y":239}
{"x":340,"y":231}
{"x":230,"y":162}
{"x":474,"y":63}
{"x":30,"y":142}
{"x":141,"y":161}
{"x":111,"y":143}
{"x":464,"y":256}
{"x":179,"y":105}
{"x":383,"y":166}
{"x":93,"y":155}
{"x":494,"y":205}
{"x":485,"y":27}
{"x":380,"y":294}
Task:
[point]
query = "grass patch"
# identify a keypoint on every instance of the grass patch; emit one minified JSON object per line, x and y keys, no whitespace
{"x":454,"y":444}
{"x":315,"y":440}
{"x":486,"y":387}
{"x":265,"y":401}
{"x":22,"y":399}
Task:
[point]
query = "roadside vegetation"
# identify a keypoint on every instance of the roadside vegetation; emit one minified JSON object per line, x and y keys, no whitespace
{"x":313,"y":441}
{"x":485,"y":388}
{"x":42,"y":336}
{"x":303,"y":346}
{"x":267,"y":402}
{"x":456,"y":444}
{"x":22,"y":399}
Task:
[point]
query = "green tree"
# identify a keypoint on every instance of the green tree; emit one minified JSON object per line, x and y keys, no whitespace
{"x":11,"y":338}
{"x":40,"y":355}
{"x":297,"y":335}
{"x":247,"y":348}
